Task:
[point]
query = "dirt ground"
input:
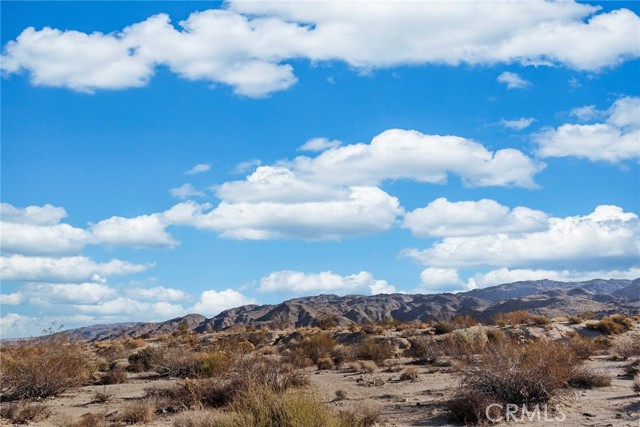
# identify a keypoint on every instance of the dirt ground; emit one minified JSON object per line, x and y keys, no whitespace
{"x":402,"y":403}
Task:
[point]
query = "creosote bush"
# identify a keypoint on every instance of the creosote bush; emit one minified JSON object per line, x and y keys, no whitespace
{"x":41,"y":369}
{"x":612,"y":325}
{"x":510,"y":373}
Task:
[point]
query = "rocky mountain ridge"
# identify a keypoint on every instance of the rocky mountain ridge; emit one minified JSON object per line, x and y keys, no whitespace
{"x":547,"y":297}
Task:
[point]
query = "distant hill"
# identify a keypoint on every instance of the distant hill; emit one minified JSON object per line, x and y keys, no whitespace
{"x":546,"y":297}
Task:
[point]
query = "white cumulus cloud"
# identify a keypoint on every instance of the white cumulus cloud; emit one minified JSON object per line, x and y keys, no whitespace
{"x":615,"y":140}
{"x":608,"y":237}
{"x":319,"y":144}
{"x":213,"y":302}
{"x":443,"y":218}
{"x":513,"y":80}
{"x":185,"y":191}
{"x":140,"y":231}
{"x":256,"y":40}
{"x":64,"y":269}
{"x":518,"y":124}
{"x":440,"y":280}
{"x":305,"y":283}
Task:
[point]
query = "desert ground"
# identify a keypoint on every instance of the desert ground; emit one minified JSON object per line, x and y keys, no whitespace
{"x":386,"y":374}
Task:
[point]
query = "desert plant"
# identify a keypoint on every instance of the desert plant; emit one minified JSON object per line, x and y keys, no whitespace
{"x":627,"y":347}
{"x":575,"y":320}
{"x":24,"y":412}
{"x":326,"y":363}
{"x":115,"y":375}
{"x":511,"y":373}
{"x":138,"y":412}
{"x":632,"y":368}
{"x":612,"y":325}
{"x":512,"y":318}
{"x":45,"y":368}
{"x":375,"y":350}
{"x":581,"y":346}
{"x":636,"y":383}
{"x":366,"y":414}
{"x":584,"y":377}
{"x":93,"y":420}
{"x":409,"y":374}
{"x":340,"y":394}
{"x":102,"y":396}
{"x":317,"y":346}
{"x":146,"y":359}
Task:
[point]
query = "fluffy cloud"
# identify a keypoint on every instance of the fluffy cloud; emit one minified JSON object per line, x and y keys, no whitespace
{"x":255,"y":39}
{"x":513,"y":80}
{"x":362,"y":210}
{"x":607,"y":238}
{"x":199,"y":168}
{"x":505,"y":275}
{"x":65,"y":269}
{"x":319,"y":144}
{"x":303,"y":283}
{"x":158,"y":293}
{"x":57,"y":293}
{"x":444,"y":218}
{"x":408,"y":154}
{"x":213,"y":302}
{"x":37,"y":230}
{"x":440,"y":280}
{"x":518,"y":124}
{"x":43,"y":239}
{"x":185,"y":191}
{"x":140,"y":231}
{"x":15,"y":298}
{"x":34,"y":215}
{"x":615,"y":140}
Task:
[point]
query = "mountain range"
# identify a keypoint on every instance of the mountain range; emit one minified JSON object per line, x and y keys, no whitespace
{"x":547,"y":297}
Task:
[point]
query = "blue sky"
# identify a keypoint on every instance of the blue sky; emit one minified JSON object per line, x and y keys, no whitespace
{"x":162,"y":158}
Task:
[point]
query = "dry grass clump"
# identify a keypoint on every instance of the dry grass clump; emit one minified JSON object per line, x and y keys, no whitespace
{"x":146,"y":359}
{"x":511,"y":373}
{"x":115,"y":375}
{"x":194,"y":365}
{"x":199,"y":418}
{"x":102,"y":396}
{"x":409,"y":374}
{"x":575,"y":320}
{"x":138,"y":412}
{"x":626,"y":347}
{"x":581,"y":346}
{"x":584,"y":377}
{"x":612,"y":325}
{"x":92,"y":420}
{"x":636,"y":383}
{"x":24,"y":412}
{"x":326,"y":364}
{"x":521,"y":317}
{"x":45,"y":368}
{"x":316,"y":346}
{"x":423,"y":349}
{"x":366,"y":414}
{"x":340,"y":394}
{"x":632,"y":368}
{"x":376,"y":350}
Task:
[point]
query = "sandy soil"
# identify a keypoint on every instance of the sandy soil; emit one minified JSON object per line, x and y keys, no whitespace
{"x":402,"y":403}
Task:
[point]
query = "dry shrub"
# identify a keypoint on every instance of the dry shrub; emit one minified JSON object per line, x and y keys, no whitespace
{"x":495,"y":335}
{"x":340,"y":394}
{"x":602,"y":342}
{"x":116,"y":375}
{"x":511,"y":373}
{"x":585,"y":377}
{"x":199,"y":418}
{"x":366,"y":414}
{"x":316,"y":346}
{"x":146,"y":359}
{"x":326,"y":322}
{"x":582,"y":346}
{"x":632,"y":368}
{"x":194,"y":365}
{"x":423,"y":349}
{"x":262,"y":407}
{"x":326,"y":363}
{"x":371,"y":328}
{"x":93,"y":420}
{"x":376,"y":350}
{"x":512,"y":318}
{"x":194,"y":394}
{"x":636,"y":383}
{"x":138,"y":412}
{"x":575,"y":320}
{"x":41,"y":369}
{"x":134,"y":343}
{"x":469,"y":408}
{"x":102,"y":396}
{"x":409,"y":374}
{"x":24,"y":412}
{"x":627,"y":347}
{"x":612,"y":325}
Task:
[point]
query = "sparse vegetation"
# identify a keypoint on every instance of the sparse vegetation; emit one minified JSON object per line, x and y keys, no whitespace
{"x":45,"y":368}
{"x":612,"y":325}
{"x":24,"y":412}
